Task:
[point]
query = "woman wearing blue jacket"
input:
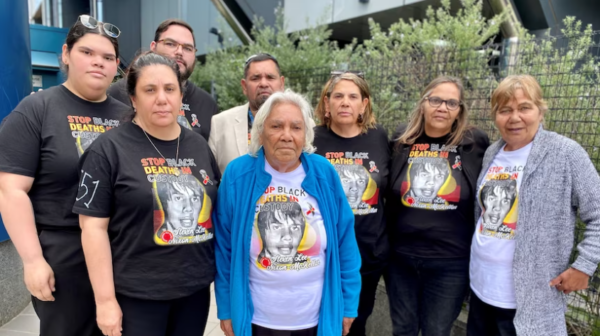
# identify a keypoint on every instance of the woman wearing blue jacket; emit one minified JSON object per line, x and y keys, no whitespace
{"x":287,"y":258}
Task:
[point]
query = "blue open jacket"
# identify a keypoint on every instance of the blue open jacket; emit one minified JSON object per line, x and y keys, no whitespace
{"x":244,"y":182}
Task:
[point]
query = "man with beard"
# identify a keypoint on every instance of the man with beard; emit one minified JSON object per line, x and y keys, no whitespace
{"x":230,"y":130}
{"x":175,"y":39}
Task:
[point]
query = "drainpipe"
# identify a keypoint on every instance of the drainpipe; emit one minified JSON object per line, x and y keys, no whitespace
{"x":233,"y":22}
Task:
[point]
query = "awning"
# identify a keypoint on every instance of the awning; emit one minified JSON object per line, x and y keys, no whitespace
{"x":44,"y":60}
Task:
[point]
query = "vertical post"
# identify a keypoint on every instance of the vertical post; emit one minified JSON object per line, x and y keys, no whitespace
{"x":15,"y":77}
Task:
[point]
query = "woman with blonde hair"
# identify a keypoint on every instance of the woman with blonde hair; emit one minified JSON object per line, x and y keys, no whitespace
{"x":429,"y":209}
{"x":532,"y":185}
{"x":358,"y":148}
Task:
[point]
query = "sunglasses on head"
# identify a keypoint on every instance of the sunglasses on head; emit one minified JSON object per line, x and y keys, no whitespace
{"x":337,"y":73}
{"x":90,"y":22}
{"x":249,"y":59}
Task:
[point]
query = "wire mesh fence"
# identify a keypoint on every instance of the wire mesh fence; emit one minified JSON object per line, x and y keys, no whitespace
{"x":566,"y":67}
{"x":571,"y":89}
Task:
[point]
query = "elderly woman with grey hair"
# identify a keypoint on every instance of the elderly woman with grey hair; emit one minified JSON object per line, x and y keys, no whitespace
{"x":287,"y":258}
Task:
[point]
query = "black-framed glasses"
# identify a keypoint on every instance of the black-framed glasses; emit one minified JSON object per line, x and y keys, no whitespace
{"x":451,"y":104}
{"x":91,"y":23}
{"x":249,"y":59}
{"x":336,"y":73}
{"x":173,"y":45}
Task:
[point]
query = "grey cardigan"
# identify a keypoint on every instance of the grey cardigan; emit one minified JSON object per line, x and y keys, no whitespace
{"x":558,"y":180}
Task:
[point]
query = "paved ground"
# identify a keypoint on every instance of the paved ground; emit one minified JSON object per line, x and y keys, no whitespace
{"x":27,"y":323}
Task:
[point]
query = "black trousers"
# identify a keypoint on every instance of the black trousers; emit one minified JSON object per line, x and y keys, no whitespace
{"x":368,"y":290}
{"x":179,"y":317}
{"x":487,"y":320}
{"x":73,"y":312}
{"x":262,"y":331}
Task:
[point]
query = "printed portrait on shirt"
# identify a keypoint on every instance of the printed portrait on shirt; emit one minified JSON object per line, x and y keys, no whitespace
{"x":285,"y":239}
{"x":429,"y":184}
{"x":358,"y":185}
{"x":183,"y":210}
{"x":84,"y":140}
{"x":498,"y":200}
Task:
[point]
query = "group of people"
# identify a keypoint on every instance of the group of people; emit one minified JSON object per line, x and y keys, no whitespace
{"x":126,"y":202}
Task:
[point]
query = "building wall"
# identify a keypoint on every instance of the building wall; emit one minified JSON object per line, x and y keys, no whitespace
{"x":297,"y":12}
{"x":127,"y":16}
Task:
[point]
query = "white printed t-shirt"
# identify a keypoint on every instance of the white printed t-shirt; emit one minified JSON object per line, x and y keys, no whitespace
{"x":287,"y":255}
{"x":493,"y":246}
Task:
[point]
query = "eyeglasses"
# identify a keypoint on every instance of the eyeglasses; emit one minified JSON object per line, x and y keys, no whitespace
{"x":173,"y":45}
{"x":249,"y":59}
{"x":451,"y":104}
{"x":337,"y":73}
{"x":91,"y":23}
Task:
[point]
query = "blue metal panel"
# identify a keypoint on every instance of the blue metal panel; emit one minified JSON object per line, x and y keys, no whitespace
{"x":15,"y":80}
{"x":43,"y":59}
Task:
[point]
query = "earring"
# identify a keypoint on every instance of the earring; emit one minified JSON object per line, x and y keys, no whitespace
{"x":360,"y":118}
{"x":327,"y":115}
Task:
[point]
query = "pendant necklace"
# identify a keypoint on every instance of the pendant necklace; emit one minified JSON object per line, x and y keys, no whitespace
{"x":176,"y":170}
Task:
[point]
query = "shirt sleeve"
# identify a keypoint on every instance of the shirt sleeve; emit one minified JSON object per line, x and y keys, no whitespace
{"x":20,"y":136}
{"x":223,"y":250}
{"x":94,"y":195}
{"x":586,"y":197}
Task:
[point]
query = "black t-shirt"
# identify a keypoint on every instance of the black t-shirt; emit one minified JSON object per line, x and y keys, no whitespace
{"x":362,"y":164}
{"x":43,"y":138}
{"x":196,"y":111}
{"x":436,"y":204}
{"x":160,"y":227}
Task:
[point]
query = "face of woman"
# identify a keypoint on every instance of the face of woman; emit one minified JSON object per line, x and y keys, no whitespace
{"x":92,"y":64}
{"x":518,"y":121}
{"x":283,"y":236}
{"x":157,"y":96}
{"x":183,"y":208}
{"x":345,"y":103}
{"x":283,"y":134}
{"x":439,"y":120}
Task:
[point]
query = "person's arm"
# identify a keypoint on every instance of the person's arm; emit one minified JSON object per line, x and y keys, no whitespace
{"x":223,"y":254}
{"x":98,"y":257}
{"x":17,"y":214}
{"x":586,"y":197}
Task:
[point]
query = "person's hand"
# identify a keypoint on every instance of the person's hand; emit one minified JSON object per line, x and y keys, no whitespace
{"x":39,"y":279}
{"x":570,"y":280}
{"x":109,"y":318}
{"x":347,"y":323}
{"x":227,"y":327}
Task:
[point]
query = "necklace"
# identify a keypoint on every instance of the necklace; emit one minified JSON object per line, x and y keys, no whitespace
{"x":152,"y":143}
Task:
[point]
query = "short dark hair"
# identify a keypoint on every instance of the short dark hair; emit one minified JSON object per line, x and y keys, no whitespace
{"x":259,"y":58}
{"x":78,"y":30}
{"x":163,"y":26}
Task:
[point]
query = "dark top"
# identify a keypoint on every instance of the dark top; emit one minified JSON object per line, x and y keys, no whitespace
{"x":43,"y":138}
{"x":196,"y":111}
{"x":160,"y":228}
{"x":362,"y":164}
{"x":431,"y":199}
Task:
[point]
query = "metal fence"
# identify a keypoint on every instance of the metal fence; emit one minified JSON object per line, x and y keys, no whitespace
{"x":566,"y":67}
